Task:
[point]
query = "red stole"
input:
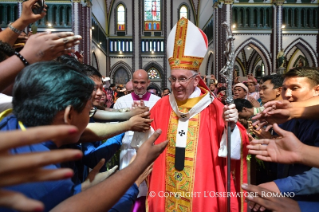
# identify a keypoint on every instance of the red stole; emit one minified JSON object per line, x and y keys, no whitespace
{"x":210,"y":173}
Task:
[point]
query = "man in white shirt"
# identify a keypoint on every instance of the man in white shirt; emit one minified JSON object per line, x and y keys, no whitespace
{"x":140,"y":83}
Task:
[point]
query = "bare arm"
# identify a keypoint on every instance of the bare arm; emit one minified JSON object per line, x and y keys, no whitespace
{"x":101,"y":131}
{"x":27,"y":17}
{"x":116,"y":185}
{"x":118,"y":116}
{"x":39,"y":47}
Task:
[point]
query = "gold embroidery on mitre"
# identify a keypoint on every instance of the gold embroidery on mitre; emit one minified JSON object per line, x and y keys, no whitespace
{"x":196,"y":63}
{"x":179,"y":42}
{"x":184,"y":62}
{"x":176,"y":62}
{"x":182,"y":22}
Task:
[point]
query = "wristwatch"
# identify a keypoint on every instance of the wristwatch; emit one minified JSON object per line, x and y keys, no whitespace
{"x":14,"y":29}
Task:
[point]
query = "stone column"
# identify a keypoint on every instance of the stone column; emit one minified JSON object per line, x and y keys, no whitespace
{"x":76,"y":20}
{"x":278,"y":29}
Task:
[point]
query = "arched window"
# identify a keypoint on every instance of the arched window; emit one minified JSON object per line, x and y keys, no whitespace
{"x":120,"y":18}
{"x":121,"y":76}
{"x":152,"y":15}
{"x":183,"y":12}
{"x":153,"y":74}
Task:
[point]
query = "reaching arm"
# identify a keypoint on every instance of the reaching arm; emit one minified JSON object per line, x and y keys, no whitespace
{"x":27,"y":17}
{"x":99,"y":131}
{"x":39,"y":47}
{"x":118,"y":116}
{"x":285,"y":149}
{"x":116,"y":185}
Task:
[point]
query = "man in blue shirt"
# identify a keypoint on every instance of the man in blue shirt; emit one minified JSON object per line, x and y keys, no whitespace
{"x":300,"y":84}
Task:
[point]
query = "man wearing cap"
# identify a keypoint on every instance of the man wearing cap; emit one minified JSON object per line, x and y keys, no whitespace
{"x":240,"y":91}
{"x":193,"y":166}
{"x":140,"y":83}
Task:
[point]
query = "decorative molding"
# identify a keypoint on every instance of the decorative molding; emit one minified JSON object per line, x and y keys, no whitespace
{"x":303,"y":43}
{"x":260,"y":48}
{"x":159,"y":69}
{"x":121,"y":64}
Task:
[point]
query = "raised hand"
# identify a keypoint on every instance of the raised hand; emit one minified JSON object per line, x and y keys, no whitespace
{"x":27,"y":16}
{"x":46,"y":46}
{"x":148,"y":152}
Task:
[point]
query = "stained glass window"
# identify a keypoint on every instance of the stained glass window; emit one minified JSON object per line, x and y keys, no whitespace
{"x":183,"y":12}
{"x":153,"y":73}
{"x":120,"y":18}
{"x":152,"y":15}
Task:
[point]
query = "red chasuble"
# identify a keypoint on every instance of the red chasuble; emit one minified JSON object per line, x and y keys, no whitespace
{"x":200,"y":186}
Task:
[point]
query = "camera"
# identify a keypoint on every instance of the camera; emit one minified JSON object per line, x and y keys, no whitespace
{"x":37,"y":8}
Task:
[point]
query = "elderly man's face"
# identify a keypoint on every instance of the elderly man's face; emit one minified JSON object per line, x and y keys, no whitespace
{"x":182,"y":90}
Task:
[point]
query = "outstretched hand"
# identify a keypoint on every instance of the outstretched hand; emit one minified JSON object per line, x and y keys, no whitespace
{"x":269,"y":200}
{"x":48,"y":46}
{"x":284,"y":149}
{"x":148,"y":152}
{"x":22,"y":168}
{"x":140,"y":123}
{"x":275,"y":112}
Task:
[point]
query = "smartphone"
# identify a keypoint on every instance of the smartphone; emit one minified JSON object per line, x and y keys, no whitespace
{"x":242,"y":79}
{"x":78,"y":55}
{"x":38,"y":7}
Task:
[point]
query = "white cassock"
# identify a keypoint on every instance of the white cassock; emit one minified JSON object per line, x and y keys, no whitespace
{"x":127,"y":152}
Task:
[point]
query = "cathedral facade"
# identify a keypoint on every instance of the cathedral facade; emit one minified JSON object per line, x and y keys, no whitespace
{"x":121,"y":36}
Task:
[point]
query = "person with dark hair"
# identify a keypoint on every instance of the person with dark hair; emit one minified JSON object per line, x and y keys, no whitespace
{"x":299,"y":84}
{"x":152,"y":90}
{"x":109,"y":103}
{"x":221,"y":94}
{"x":245,"y":111}
{"x":245,"y":108}
{"x":165,"y":92}
{"x":49,"y":93}
{"x":271,"y":87}
{"x":113,"y":88}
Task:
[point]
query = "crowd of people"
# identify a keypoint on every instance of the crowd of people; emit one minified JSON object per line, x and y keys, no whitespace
{"x":61,"y":123}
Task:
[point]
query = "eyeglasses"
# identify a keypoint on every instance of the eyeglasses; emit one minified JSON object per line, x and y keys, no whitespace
{"x":181,"y":80}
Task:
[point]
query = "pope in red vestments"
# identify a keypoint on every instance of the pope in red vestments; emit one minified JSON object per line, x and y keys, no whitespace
{"x":191,"y":173}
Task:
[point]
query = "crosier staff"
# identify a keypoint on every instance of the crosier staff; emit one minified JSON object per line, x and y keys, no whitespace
{"x":227,"y":74}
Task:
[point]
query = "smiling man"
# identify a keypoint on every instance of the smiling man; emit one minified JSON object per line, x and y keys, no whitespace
{"x":194,"y":123}
{"x":299,"y":85}
{"x":140,"y":83}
